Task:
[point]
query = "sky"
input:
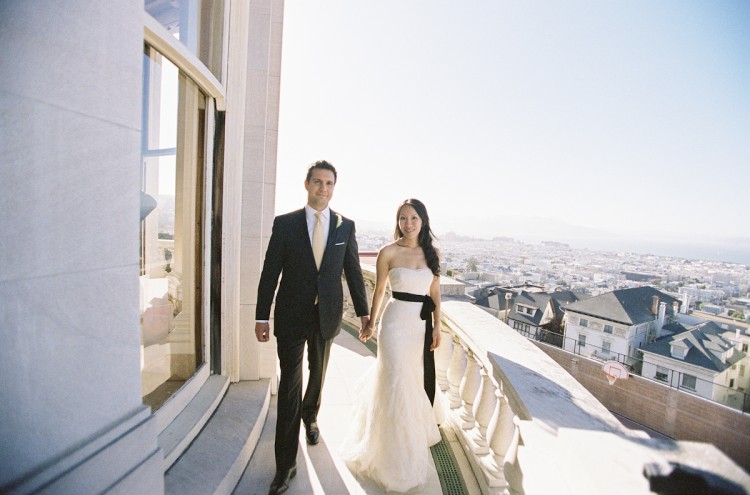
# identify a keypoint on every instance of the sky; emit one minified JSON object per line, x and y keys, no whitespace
{"x":590,"y":119}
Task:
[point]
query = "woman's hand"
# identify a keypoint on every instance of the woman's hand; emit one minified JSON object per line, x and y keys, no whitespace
{"x":367,"y":331}
{"x":435,"y":337}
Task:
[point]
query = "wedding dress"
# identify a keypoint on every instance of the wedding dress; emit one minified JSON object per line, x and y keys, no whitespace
{"x":393,"y":425}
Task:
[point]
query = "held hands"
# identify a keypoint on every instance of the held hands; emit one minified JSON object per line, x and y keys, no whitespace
{"x":262,"y":331}
{"x":368,"y":328}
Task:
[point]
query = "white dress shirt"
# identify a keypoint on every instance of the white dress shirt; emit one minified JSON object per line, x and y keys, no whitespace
{"x":310,"y":214}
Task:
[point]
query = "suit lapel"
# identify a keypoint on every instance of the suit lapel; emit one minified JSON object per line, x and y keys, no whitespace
{"x":331,"y":229}
{"x":301,"y":228}
{"x":331,"y":237}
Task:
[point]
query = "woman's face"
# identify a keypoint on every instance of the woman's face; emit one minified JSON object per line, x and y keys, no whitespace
{"x":409,"y":222}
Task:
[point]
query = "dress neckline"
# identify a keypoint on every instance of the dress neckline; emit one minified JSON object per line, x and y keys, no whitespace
{"x":412,"y":269}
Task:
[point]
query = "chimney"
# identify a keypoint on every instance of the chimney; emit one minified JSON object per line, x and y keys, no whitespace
{"x":660,"y":318}
{"x":654,"y":305}
{"x":675,"y":308}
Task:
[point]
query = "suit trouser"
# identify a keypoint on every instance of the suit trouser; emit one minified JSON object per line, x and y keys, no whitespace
{"x":291,"y":407}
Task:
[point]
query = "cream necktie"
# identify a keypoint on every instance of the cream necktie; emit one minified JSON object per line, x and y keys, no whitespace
{"x":318,"y":242}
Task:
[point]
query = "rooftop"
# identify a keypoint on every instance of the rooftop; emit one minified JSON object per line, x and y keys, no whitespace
{"x":513,"y":420}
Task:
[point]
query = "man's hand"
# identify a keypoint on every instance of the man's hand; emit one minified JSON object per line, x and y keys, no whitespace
{"x":367,"y":329}
{"x":262,"y":331}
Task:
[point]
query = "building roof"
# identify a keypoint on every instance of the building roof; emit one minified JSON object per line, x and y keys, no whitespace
{"x":631,"y":306}
{"x":561,"y":299}
{"x":705,"y":342}
{"x":537,"y":300}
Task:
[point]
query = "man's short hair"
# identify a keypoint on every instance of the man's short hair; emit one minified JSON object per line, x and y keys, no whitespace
{"x":325,"y":166}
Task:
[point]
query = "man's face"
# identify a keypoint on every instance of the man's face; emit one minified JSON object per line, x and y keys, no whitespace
{"x":320,"y":188}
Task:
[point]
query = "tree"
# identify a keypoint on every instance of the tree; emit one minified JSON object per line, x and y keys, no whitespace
{"x":471,"y":265}
{"x":739,"y":315}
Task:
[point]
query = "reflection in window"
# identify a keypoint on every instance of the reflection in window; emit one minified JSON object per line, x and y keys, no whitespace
{"x":662,"y":373}
{"x":688,"y":382}
{"x":197,"y":24}
{"x":171,"y":209}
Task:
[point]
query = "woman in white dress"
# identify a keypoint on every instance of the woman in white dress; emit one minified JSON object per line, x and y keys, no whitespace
{"x":393,"y":426}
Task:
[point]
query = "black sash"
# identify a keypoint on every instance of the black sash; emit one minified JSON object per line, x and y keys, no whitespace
{"x":428,"y":306}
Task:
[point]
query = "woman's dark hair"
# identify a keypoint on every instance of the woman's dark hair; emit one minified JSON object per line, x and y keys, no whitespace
{"x":431,"y":254}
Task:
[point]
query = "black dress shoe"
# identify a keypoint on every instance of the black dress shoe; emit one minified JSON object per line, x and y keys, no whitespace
{"x":312,"y":433}
{"x":280,"y":482}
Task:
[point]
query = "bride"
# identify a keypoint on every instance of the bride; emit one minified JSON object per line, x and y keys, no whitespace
{"x":393,"y":425}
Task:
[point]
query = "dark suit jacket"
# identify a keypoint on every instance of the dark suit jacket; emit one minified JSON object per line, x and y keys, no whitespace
{"x":290,"y":255}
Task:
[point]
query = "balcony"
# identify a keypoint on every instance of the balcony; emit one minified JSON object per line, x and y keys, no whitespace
{"x":514,"y":421}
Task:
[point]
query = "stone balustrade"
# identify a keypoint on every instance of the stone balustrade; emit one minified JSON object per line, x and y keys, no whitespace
{"x":523,"y":422}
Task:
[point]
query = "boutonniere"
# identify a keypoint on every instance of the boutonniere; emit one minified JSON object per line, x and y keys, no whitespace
{"x":339,"y":220}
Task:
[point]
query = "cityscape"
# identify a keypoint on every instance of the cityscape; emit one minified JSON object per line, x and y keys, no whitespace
{"x":682,"y":322}
{"x":718,"y":287}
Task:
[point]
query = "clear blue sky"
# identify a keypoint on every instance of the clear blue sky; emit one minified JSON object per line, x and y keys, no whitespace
{"x":629,"y":117}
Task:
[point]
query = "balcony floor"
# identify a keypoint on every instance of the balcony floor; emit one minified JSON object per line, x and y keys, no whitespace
{"x":320,"y":470}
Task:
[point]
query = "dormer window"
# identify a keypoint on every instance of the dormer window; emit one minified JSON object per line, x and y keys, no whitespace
{"x":677,"y":351}
{"x":525,"y":310}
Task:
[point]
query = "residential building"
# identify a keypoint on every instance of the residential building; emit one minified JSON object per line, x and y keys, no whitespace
{"x":614,"y":325}
{"x":703,"y":359}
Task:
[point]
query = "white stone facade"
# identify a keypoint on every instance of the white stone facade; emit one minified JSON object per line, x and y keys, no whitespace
{"x":71,"y":78}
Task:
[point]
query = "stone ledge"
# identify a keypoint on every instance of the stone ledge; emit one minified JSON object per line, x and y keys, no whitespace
{"x":214,"y":462}
{"x":190,"y":421}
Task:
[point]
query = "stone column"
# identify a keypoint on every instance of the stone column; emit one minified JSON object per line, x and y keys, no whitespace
{"x":456,"y":373}
{"x":469,"y":387}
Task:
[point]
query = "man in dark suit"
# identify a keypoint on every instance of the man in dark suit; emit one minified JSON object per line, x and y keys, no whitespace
{"x":310,"y":248}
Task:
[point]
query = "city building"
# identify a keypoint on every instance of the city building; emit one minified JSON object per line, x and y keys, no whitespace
{"x":614,"y":325}
{"x":703,"y":359}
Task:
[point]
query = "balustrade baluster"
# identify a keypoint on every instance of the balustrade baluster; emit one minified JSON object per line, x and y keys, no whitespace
{"x":484,"y":408}
{"x":456,"y":373}
{"x":443,"y":359}
{"x":469,"y":387}
{"x":500,"y":436}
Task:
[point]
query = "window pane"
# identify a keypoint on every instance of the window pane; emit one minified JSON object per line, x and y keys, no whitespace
{"x":171,"y":208}
{"x":197,"y":24}
{"x":662,"y":373}
{"x":688,"y":381}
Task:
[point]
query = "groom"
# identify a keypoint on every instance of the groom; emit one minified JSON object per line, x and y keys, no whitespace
{"x":309,"y":248}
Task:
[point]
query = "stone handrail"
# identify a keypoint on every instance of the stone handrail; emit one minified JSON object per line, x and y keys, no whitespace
{"x":493,"y":385}
{"x":520,"y":418}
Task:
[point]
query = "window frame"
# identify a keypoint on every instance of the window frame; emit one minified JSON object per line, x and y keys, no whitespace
{"x":662,"y":374}
{"x":686,"y":386}
{"x":187,"y":62}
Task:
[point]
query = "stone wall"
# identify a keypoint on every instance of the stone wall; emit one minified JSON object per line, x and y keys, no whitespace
{"x":667,"y":410}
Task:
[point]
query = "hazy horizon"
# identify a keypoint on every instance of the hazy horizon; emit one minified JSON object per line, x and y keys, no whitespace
{"x":587,"y":121}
